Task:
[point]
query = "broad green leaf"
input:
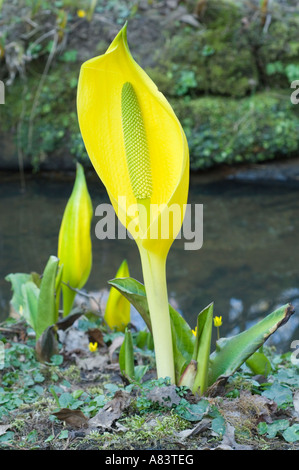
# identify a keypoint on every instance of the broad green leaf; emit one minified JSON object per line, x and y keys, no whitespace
{"x":126,"y":356}
{"x":17,"y":280}
{"x":202,"y":348}
{"x":134,"y":291}
{"x":47,"y":313}
{"x":276,"y":427}
{"x":291,"y":434}
{"x":188,"y":376}
{"x":280,"y":393}
{"x":259,"y":363}
{"x":140,"y":371}
{"x":183,"y":338}
{"x":193,"y":411}
{"x":30,"y":294}
{"x":218,"y":425}
{"x":232,"y":352}
{"x":183,"y":342}
{"x":58,"y":284}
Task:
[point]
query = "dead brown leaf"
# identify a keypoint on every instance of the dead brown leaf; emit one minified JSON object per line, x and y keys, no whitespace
{"x":73,"y":418}
{"x":165,"y":396}
{"x":47,"y":345}
{"x":116,"y":343}
{"x":95,"y":361}
{"x":111,"y":411}
{"x":228,"y":441}
{"x":4,"y":428}
{"x":96,"y":336}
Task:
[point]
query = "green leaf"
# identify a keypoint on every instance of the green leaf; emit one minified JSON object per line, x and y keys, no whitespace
{"x":17,"y":280}
{"x":30,"y":294}
{"x":280,"y":393}
{"x":134,"y":291}
{"x":291,"y":434}
{"x":232,"y":352}
{"x":202,"y":348}
{"x":276,"y":427}
{"x":47,"y":313}
{"x":193,"y":411}
{"x":140,"y":371}
{"x":218,"y":425}
{"x":262,"y":428}
{"x":259,"y":364}
{"x":188,"y":376}
{"x":182,"y":336}
{"x":126,"y":356}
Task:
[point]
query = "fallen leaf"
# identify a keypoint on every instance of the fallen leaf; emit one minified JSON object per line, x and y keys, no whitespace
{"x":200,"y":427}
{"x":66,"y":322}
{"x":4,"y":428}
{"x":96,"y":361}
{"x":116,"y":343}
{"x":111,"y":411}
{"x":296,"y":402}
{"x":47,"y":345}
{"x":228,"y":440}
{"x":96,"y":336}
{"x":165,"y":396}
{"x":73,"y":418}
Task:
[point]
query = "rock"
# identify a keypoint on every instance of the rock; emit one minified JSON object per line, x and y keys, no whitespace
{"x":260,"y":307}
{"x":236,"y":309}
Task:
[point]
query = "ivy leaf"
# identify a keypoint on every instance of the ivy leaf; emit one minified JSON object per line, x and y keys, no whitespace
{"x":291,"y":434}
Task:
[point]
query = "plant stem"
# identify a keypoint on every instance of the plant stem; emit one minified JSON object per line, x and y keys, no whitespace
{"x":154,"y":275}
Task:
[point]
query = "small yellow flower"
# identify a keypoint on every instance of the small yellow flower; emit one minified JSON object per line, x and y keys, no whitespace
{"x":217,"y":321}
{"x":93,"y":347}
{"x":194,"y":331}
{"x":81,"y":13}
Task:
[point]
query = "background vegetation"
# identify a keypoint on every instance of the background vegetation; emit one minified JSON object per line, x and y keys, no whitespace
{"x":225,"y":66}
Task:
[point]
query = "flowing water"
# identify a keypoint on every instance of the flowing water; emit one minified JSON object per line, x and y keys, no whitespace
{"x":248,"y":264}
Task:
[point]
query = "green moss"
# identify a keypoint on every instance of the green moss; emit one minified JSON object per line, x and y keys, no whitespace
{"x":139,"y":431}
{"x":253,"y":129}
{"x":29,"y":110}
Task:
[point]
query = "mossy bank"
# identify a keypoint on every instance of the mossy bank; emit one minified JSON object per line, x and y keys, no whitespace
{"x":226,"y":68}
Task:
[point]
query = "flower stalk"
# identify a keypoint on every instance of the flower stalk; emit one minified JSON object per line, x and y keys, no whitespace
{"x":154,"y":274}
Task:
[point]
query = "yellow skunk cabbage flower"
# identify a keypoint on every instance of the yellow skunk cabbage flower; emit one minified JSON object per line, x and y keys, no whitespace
{"x":217,"y":321}
{"x":74,"y":242}
{"x":117,"y":312}
{"x":139,"y":150}
{"x":93,"y":346}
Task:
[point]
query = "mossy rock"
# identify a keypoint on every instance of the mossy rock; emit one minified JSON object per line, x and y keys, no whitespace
{"x":42,"y":126}
{"x":231,"y":53}
{"x":229,"y":131}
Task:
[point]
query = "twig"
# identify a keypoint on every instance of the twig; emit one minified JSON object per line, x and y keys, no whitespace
{"x":41,"y":83}
{"x":84,"y":294}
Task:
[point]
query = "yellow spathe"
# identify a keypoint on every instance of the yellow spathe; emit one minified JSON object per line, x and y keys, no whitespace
{"x":117,"y":312}
{"x":100,"y":117}
{"x":74,"y":241}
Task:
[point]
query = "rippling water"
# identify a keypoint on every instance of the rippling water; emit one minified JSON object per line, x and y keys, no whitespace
{"x":248,"y":264}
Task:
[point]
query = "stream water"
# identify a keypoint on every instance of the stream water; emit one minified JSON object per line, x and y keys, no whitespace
{"x":248,"y":264}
